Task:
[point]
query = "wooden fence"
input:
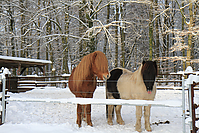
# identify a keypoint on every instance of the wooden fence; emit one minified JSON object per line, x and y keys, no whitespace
{"x":25,"y":83}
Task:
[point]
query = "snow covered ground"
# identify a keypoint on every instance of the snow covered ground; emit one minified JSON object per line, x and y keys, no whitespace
{"x":29,"y":117}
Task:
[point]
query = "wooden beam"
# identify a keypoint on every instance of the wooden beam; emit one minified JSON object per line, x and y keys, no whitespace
{"x":19,"y":69}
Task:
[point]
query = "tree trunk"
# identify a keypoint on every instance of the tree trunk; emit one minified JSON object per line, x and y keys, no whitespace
{"x":82,"y":29}
{"x":12,"y":30}
{"x":151,"y":31}
{"x":38,"y":41}
{"x":107,"y":22}
{"x":122,"y":36}
{"x":157,"y":31}
{"x":49,"y":52}
{"x":116,"y":35}
{"x":182,"y":28}
{"x":23,"y":29}
{"x":190,"y":26}
{"x":65,"y":45}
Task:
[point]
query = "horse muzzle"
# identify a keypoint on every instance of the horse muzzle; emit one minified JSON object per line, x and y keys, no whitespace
{"x":105,"y":77}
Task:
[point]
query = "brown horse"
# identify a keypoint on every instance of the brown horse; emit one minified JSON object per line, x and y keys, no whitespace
{"x":82,"y":81}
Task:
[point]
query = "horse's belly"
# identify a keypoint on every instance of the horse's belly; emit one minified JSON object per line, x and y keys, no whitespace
{"x":126,"y":95}
{"x":124,"y":89}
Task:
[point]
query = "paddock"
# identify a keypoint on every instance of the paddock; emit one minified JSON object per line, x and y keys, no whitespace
{"x":54,"y":114}
{"x":25,"y":103}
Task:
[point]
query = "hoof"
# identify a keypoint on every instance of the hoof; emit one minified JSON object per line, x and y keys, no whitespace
{"x":120,"y":122}
{"x":149,"y":129}
{"x":78,"y":123}
{"x":138,"y":129}
{"x":110,"y":122}
{"x":90,"y":124}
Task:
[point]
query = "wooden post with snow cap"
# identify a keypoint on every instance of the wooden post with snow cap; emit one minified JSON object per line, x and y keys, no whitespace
{"x":194,"y":106}
{"x":191,"y":82}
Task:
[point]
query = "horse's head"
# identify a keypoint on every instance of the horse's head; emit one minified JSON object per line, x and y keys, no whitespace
{"x":149,"y":73}
{"x":100,"y":65}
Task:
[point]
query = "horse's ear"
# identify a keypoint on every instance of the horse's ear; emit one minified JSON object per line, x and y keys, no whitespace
{"x":143,"y":62}
{"x":154,"y":63}
{"x":94,"y":55}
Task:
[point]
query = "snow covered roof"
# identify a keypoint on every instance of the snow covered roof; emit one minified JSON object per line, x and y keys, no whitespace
{"x":14,"y":62}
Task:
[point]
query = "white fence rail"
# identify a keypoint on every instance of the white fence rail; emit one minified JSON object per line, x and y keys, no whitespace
{"x":103,"y":101}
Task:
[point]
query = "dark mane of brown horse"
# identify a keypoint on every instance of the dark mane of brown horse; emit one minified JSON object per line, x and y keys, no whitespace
{"x":83,"y":70}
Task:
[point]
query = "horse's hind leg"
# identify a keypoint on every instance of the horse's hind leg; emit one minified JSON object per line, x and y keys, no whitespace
{"x":88,"y":114}
{"x":79,"y":115}
{"x":118,"y":114}
{"x":138,"y":118}
{"x":147,"y":118}
{"x":110,"y":116}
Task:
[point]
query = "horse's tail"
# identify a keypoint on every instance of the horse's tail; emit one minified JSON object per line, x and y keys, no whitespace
{"x":107,"y":113}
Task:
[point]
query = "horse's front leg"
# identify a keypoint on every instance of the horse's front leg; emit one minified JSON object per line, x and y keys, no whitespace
{"x":118,"y":114}
{"x":147,"y":117}
{"x":138,"y":118}
{"x":110,"y":114}
{"x":88,"y":114}
{"x":79,"y":115}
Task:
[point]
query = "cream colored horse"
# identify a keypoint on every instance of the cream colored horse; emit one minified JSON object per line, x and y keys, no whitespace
{"x":124,"y":84}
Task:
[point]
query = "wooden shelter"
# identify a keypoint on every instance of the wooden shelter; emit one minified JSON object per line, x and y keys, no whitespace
{"x":22,"y":63}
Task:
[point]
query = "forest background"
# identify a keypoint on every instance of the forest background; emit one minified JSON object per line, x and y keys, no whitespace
{"x":127,"y":31}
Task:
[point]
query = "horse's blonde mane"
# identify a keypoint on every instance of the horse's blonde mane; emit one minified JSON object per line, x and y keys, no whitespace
{"x":83,"y":70}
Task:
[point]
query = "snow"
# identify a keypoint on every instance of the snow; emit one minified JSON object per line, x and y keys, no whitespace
{"x":65,"y":75}
{"x":189,"y":69}
{"x":5,"y":71}
{"x":191,"y":79}
{"x":24,"y":59}
{"x":51,"y":117}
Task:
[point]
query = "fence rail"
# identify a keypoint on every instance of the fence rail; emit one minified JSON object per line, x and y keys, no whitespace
{"x":25,"y":83}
